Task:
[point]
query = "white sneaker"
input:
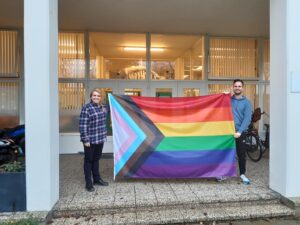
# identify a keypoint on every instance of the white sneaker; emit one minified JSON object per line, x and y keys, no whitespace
{"x":221,"y":178}
{"x":245,"y":179}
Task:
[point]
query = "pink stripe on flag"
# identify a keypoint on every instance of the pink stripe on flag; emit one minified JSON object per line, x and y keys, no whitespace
{"x":123,"y":131}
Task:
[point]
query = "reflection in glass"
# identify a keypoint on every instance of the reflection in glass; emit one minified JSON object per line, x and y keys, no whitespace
{"x":133,"y":91}
{"x":71,"y":62}
{"x":266,"y":109}
{"x":163,"y":92}
{"x":266,"y":59}
{"x":189,"y":92}
{"x":180,"y":58}
{"x":71,"y":100}
{"x":9,"y":104}
{"x":230,"y":58}
{"x":117,"y":56}
{"x":9,"y":64}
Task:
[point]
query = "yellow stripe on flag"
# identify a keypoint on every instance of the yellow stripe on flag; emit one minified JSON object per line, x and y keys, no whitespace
{"x":197,"y":129}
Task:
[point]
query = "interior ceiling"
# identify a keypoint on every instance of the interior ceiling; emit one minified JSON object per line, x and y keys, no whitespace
{"x":111,"y":45}
{"x":214,"y":17}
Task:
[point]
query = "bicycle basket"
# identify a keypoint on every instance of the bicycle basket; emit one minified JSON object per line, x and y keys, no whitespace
{"x":256,"y":115}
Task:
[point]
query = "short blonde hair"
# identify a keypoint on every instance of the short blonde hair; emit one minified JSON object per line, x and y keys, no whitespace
{"x":95,"y":90}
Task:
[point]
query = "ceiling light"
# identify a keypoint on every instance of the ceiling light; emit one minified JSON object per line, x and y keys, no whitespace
{"x":143,"y":49}
{"x":198,"y":68}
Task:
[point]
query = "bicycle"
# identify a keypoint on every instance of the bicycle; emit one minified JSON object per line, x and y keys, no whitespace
{"x":255,"y":146}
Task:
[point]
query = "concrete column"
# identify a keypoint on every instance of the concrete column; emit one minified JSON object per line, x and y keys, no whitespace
{"x":285,"y":97}
{"x":41,"y":103}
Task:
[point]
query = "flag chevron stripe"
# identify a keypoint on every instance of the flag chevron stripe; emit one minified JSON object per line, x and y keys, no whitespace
{"x":124,"y":136}
{"x":126,"y":156}
{"x":196,"y":143}
{"x":153,"y":136}
{"x":186,"y":115}
{"x":196,"y":129}
{"x":135,"y":128}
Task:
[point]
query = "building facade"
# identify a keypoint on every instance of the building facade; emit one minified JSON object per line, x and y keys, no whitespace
{"x":49,"y":65}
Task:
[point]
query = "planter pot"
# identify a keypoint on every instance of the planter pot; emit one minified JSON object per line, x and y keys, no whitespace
{"x":12,"y":192}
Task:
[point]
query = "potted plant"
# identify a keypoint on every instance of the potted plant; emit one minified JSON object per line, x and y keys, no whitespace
{"x":12,"y":187}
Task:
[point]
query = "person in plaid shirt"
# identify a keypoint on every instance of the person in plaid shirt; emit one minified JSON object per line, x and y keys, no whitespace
{"x":92,"y":127}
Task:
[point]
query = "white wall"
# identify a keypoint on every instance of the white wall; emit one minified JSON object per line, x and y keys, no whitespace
{"x":284,"y":102}
{"x":69,"y":143}
{"x":41,"y":103}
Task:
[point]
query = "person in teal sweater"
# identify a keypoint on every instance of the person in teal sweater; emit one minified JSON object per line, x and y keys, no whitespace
{"x":242,"y":113}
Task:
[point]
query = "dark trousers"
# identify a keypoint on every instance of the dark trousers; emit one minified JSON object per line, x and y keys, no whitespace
{"x":92,"y":156}
{"x":241,"y":153}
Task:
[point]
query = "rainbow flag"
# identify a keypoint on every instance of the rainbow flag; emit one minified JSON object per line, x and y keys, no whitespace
{"x":181,"y":137}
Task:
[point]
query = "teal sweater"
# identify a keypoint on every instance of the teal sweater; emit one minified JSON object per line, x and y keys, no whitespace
{"x":242,"y":113}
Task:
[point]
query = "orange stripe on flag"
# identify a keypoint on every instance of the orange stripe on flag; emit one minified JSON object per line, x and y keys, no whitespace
{"x":188,"y":115}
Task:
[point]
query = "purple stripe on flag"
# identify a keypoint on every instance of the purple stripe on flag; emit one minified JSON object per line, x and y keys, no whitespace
{"x":188,"y":158}
{"x":186,"y":171}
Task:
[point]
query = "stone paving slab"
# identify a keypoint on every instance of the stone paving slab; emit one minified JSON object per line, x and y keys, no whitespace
{"x":177,"y":215}
{"x":139,"y":201}
{"x":131,"y":194}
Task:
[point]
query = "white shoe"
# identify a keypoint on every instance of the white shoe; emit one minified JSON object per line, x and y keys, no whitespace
{"x":221,"y":178}
{"x":245,"y":179}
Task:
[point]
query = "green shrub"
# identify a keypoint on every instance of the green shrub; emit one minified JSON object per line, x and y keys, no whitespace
{"x":28,"y":221}
{"x":12,"y":167}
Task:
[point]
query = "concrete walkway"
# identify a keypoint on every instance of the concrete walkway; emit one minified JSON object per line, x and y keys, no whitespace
{"x":169,"y":201}
{"x":142,"y":201}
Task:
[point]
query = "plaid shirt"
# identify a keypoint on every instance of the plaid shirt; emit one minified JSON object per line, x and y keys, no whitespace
{"x":92,"y":124}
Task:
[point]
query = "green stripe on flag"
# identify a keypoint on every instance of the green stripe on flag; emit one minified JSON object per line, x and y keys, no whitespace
{"x":197,"y":143}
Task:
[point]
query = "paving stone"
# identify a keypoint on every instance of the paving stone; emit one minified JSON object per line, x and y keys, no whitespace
{"x":102,"y":220}
{"x":143,"y":201}
{"x":77,"y":221}
{"x":124,"y":218}
{"x":193,"y":215}
{"x":58,"y":221}
{"x":170,"y":216}
{"x":148,"y":217}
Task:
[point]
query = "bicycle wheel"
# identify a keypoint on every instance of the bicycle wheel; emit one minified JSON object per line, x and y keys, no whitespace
{"x":253,"y":147}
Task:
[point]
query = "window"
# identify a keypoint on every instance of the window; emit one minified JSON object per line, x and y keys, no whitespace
{"x":232,"y":58}
{"x":9,"y":78}
{"x":8,"y":53}
{"x":71,"y":55}
{"x":133,"y":91}
{"x":117,"y":56}
{"x":266,"y":116}
{"x":9,"y":104}
{"x":176,"y":57}
{"x":266,"y":59}
{"x":189,"y":92}
{"x":163,"y":92}
{"x":71,"y":100}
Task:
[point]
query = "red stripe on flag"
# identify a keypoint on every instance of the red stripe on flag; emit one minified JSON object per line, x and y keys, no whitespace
{"x":189,"y":115}
{"x":211,"y":101}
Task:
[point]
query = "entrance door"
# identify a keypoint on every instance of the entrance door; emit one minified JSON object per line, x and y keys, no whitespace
{"x":163,"y":89}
